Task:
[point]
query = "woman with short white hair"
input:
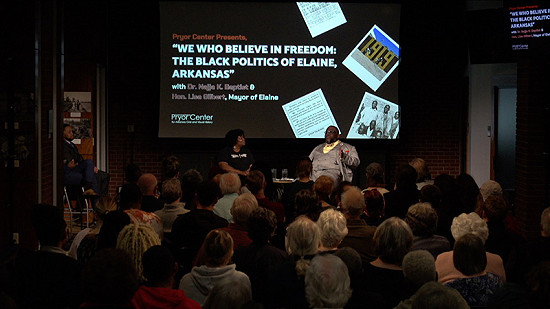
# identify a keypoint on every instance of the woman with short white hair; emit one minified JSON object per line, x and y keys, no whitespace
{"x":462,"y":225}
{"x":333,"y":229}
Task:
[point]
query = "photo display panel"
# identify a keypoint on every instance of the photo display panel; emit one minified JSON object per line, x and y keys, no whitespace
{"x":279,"y":70}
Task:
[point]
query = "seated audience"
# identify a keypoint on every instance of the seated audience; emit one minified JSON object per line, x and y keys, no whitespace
{"x":230,"y":186}
{"x":405,"y":193}
{"x":433,"y":295}
{"x":256,"y":259}
{"x":501,"y":241}
{"x":464,"y":224}
{"x":170,"y":169}
{"x":218,"y":250}
{"x":190,"y":229}
{"x":418,"y":269}
{"x":323,"y":187}
{"x":240,"y":211}
{"x":422,"y":219}
{"x":527,"y":255}
{"x":374,"y":207}
{"x":393,"y":239}
{"x":130,"y":203}
{"x":190,"y":181}
{"x":332,"y":224}
{"x":450,"y":205}
{"x":342,"y":187}
{"x":132,"y":172}
{"x":477,"y":286}
{"x":327,"y":283}
{"x":148,"y":185}
{"x":468,"y":192}
{"x":230,"y":293}
{"x":109,"y":280}
{"x":303,"y":181}
{"x":375,"y":178}
{"x":360,"y":234}
{"x":286,"y":280}
{"x":422,"y":172}
{"x":103,"y":206}
{"x":173,"y":207}
{"x":135,"y":239}
{"x":255,"y":182}
{"x":113,"y":223}
{"x":47,"y":277}
{"x":159,"y":268}
{"x":307,"y":204}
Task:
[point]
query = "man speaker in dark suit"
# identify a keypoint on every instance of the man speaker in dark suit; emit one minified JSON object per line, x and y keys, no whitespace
{"x":76,"y":170}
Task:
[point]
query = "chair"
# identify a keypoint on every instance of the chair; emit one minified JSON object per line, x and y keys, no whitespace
{"x":76,"y":207}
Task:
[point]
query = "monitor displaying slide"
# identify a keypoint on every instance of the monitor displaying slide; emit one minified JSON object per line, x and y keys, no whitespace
{"x":279,"y":70}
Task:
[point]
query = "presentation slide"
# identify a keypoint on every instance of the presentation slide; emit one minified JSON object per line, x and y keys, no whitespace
{"x":529,"y":24}
{"x":279,"y":70}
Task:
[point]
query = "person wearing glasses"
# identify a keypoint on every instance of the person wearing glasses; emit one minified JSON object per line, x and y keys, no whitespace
{"x":334,"y":158}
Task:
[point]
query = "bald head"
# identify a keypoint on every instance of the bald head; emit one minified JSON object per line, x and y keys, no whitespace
{"x":147,"y":184}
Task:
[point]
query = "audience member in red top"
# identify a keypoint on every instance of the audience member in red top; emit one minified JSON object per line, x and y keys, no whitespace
{"x":242,"y":207}
{"x":159,"y":267}
{"x":255,"y":182}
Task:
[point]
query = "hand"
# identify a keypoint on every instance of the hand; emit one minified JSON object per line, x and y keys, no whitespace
{"x":245,"y":173}
{"x":72,"y":164}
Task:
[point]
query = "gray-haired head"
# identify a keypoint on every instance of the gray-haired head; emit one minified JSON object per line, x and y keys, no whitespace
{"x":419,"y":267}
{"x":469,"y":223}
{"x":327,"y":282}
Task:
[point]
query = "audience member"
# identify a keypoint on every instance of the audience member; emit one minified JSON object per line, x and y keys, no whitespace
{"x":255,"y":182}
{"x":405,"y":193}
{"x":170,"y":168}
{"x":173,"y":207}
{"x":113,"y":223}
{"x":256,"y":259}
{"x":323,"y":187}
{"x":501,"y":241}
{"x":303,"y":181}
{"x":307,"y":204}
{"x":159,"y":268}
{"x":240,"y":211}
{"x":190,"y":229}
{"x":450,"y":205}
{"x":422,"y":173}
{"x":332,"y":224}
{"x":375,"y":178}
{"x":132,"y":172}
{"x":360,"y":234}
{"x":422,"y":219}
{"x":336,"y":197}
{"x":130,"y":203}
{"x":103,"y":206}
{"x":286,"y":280}
{"x":418,"y":269}
{"x":229,"y":293}
{"x":464,"y":224}
{"x":374,"y":207}
{"x":47,"y":277}
{"x":468,"y":192}
{"x":218,"y":250}
{"x":477,"y":285}
{"x":431,"y":194}
{"x":109,"y":280}
{"x":433,"y":295}
{"x":527,"y":255}
{"x":135,"y":239}
{"x":190,"y":181}
{"x":393,"y":239}
{"x":230,"y":186}
{"x":327,"y":283}
{"x":148,"y":185}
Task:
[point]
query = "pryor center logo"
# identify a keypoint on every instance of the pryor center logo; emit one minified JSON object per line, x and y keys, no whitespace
{"x":192,"y":118}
